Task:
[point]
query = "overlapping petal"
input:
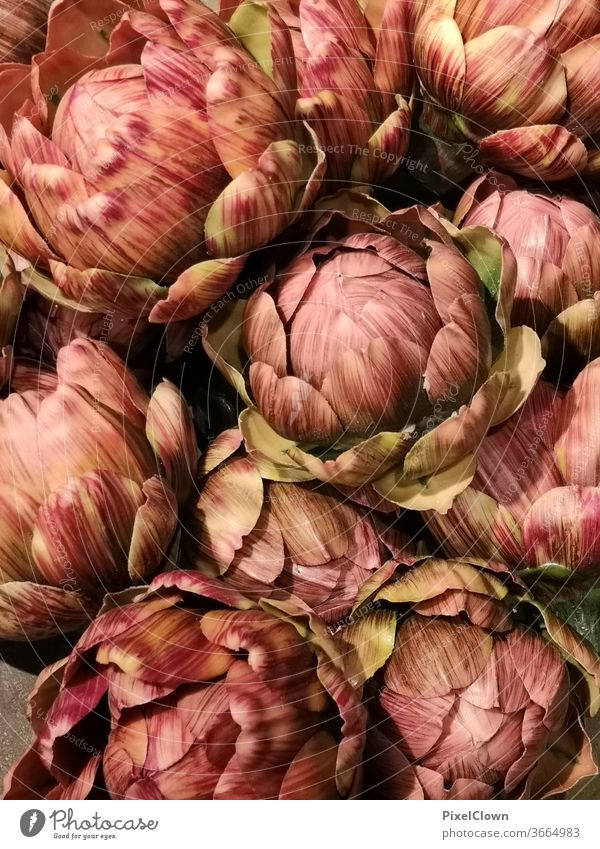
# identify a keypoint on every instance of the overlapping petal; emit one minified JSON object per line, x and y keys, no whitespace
{"x":267,"y":538}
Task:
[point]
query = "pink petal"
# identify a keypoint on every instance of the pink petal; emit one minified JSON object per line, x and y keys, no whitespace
{"x":543,"y":152}
{"x":73,"y":23}
{"x":95,"y":368}
{"x":417,"y":722}
{"x":31,"y":611}
{"x":153,"y":529}
{"x":540,"y":667}
{"x":512,"y":79}
{"x":461,"y":353}
{"x":226,"y":511}
{"x":583,"y":76}
{"x":562,"y":527}
{"x":264,"y":334}
{"x":83,"y":531}
{"x":311,"y":774}
{"x":339,"y":21}
{"x":246,"y":114}
{"x":433,"y":657}
{"x":272,"y":731}
{"x":577,"y":446}
{"x":170,"y":431}
{"x":293,"y":407}
{"x":440,"y":59}
{"x":378,"y":388}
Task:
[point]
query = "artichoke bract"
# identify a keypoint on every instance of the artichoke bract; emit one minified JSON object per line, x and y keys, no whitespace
{"x":92,"y":475}
{"x":23,"y":29}
{"x":102,"y":203}
{"x":11,"y":299}
{"x":265,"y":537}
{"x":556,"y":243}
{"x":355,"y":79}
{"x":465,"y":702}
{"x":516,"y":81}
{"x":194,"y":692}
{"x":535,"y":498}
{"x":381,"y":355}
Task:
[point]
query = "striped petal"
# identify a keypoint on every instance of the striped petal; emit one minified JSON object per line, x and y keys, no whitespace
{"x":171,"y":76}
{"x":582,"y":66}
{"x":97,"y":369}
{"x":97,"y":290}
{"x":264,"y":334}
{"x":196,"y":289}
{"x":461,"y":353}
{"x":440,"y":59}
{"x":170,"y":431}
{"x":17,"y":515}
{"x":32,"y":612}
{"x":432,"y":658}
{"x":245,"y":115}
{"x":258,"y":204}
{"x":226,"y":510}
{"x":562,"y":527}
{"x":377,"y":388}
{"x":174,"y":641}
{"x":311,"y":774}
{"x":337,"y":68}
{"x":577,"y":446}
{"x":153,"y":529}
{"x":542,"y":152}
{"x":83,"y":531}
{"x":341,"y":125}
{"x":197,"y":26}
{"x":17,"y":233}
{"x":393,"y":62}
{"x":512,"y":79}
{"x":292,"y":407}
{"x":340,"y":21}
{"x":385,"y":149}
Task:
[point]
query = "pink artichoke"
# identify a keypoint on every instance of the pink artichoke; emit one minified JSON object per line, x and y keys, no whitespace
{"x":514,"y":79}
{"x":263,"y":537}
{"x":355,"y":79}
{"x":464,"y":702}
{"x":193,"y":692}
{"x":534,"y":498}
{"x":556,"y":242}
{"x":373,"y":357}
{"x":355,"y":82}
{"x":101,"y":203}
{"x":92,"y":476}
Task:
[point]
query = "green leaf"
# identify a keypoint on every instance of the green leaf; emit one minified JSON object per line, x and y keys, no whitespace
{"x":573,"y":597}
{"x":483,"y":250}
{"x":250,"y":22}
